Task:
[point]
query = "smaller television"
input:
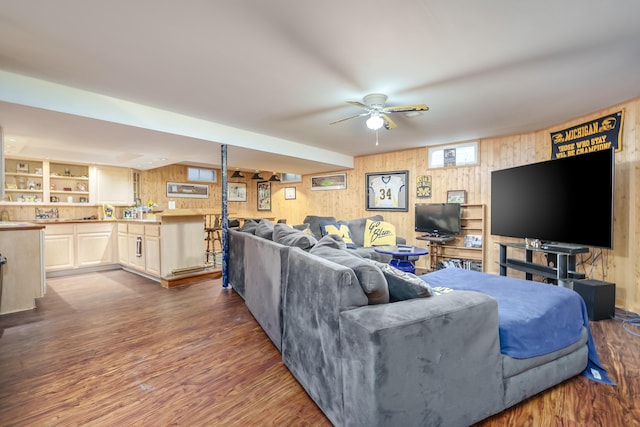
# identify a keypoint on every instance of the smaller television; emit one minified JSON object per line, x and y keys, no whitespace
{"x":438,"y":219}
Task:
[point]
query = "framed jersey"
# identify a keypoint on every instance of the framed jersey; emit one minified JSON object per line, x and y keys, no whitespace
{"x":387,"y":191}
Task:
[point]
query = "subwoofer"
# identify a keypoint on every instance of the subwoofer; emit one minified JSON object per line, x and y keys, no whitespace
{"x":599,"y":297}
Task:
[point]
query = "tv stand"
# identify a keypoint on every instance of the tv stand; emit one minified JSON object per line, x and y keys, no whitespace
{"x":563,"y":271}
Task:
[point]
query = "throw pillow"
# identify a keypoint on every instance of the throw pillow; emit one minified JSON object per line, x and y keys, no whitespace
{"x":289,"y":236}
{"x":339,"y":228}
{"x":264,"y":229}
{"x":305,"y":228}
{"x":372,"y":281}
{"x":402,"y":285}
{"x":314,"y":223}
{"x":379,"y":233}
{"x":357,"y":227}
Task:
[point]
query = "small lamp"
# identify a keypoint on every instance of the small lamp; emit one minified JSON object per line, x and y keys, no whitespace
{"x":257,"y":175}
{"x":274,"y":178}
{"x":237,"y":174}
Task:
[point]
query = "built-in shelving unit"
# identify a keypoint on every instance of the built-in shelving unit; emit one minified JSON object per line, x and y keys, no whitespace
{"x":57,"y":184}
{"x":24,"y":181}
{"x":465,"y":250}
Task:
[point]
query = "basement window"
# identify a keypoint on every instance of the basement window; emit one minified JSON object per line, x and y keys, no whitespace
{"x":201,"y":175}
{"x":462,"y":154}
{"x":290,"y":177}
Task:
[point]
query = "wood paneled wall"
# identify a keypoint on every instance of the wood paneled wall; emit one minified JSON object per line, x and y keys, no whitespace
{"x":620,"y":265}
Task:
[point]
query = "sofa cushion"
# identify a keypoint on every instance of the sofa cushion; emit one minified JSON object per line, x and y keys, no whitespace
{"x":340,"y":228}
{"x":314,"y":223}
{"x":289,"y":236}
{"x":402,"y":285}
{"x":357,"y":227}
{"x":372,"y":281}
{"x":379,"y":233}
{"x":249,"y":226}
{"x":264,"y":229}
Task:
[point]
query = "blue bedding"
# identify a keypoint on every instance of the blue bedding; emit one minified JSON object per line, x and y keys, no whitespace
{"x":534,"y":318}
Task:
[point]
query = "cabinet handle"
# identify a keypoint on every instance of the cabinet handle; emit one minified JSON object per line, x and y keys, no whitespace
{"x":138,"y":246}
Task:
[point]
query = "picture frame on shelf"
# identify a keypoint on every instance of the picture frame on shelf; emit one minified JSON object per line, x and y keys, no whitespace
{"x":22,"y":167}
{"x":457,"y":196}
{"x":290,"y":193}
{"x":264,"y":196}
{"x":387,"y":191}
{"x":336,"y":181}
{"x":237,"y":192}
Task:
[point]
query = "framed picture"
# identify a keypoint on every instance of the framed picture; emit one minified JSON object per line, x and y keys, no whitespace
{"x":336,"y":181}
{"x":290,"y":193}
{"x":457,"y":196}
{"x":22,"y":167}
{"x":236,"y":192}
{"x":264,"y":196}
{"x":387,"y":191}
{"x":196,"y":191}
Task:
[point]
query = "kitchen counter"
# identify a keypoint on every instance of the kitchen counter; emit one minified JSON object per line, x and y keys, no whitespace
{"x":19,"y":225}
{"x":23,"y":279}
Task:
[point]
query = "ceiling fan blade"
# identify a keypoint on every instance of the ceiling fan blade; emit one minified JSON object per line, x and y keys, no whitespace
{"x":349,"y":118}
{"x":359,"y":105}
{"x":388,"y":123}
{"x":405,"y":108}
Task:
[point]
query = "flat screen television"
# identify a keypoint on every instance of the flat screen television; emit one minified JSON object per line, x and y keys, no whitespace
{"x":567,"y":200}
{"x":438,"y":219}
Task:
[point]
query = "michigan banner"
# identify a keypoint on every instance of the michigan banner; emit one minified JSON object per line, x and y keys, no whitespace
{"x":599,"y":134}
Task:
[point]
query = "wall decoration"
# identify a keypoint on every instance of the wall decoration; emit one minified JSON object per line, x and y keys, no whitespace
{"x":423,"y":187}
{"x":457,"y":196}
{"x":336,"y":181}
{"x":264,"y":196}
{"x":387,"y":191}
{"x":598,"y":134}
{"x":236,"y":192}
{"x":196,"y":191}
{"x":290,"y":193}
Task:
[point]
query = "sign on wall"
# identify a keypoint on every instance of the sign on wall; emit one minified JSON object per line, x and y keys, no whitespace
{"x":423,"y":186}
{"x":598,"y":134}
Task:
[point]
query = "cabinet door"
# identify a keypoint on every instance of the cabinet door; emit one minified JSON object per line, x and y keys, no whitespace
{"x":59,"y":252}
{"x":94,"y":244}
{"x":135,"y":248}
{"x":112,"y":185}
{"x":123,"y":249}
{"x":152,"y":255}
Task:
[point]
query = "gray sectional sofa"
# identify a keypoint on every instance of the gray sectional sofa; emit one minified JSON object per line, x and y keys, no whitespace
{"x":421,"y":362}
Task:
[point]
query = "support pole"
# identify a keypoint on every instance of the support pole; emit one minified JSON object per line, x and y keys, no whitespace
{"x":225,"y":220}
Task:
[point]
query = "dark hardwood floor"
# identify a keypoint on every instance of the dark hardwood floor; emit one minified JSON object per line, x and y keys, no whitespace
{"x":113,"y":349}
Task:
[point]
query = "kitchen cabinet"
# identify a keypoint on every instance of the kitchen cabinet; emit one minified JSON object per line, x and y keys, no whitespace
{"x":142,"y":247}
{"x":71,"y":246}
{"x":23,"y":277}
{"x":112,"y":185}
{"x":95,"y":243}
{"x":59,"y":247}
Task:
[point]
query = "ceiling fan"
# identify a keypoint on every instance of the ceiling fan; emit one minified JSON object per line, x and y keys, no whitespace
{"x":374,"y":104}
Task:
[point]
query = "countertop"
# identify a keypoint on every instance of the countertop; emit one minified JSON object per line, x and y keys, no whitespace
{"x":19,"y":225}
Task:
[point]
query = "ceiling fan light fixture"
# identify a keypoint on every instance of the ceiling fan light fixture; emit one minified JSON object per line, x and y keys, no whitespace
{"x":257,"y":175}
{"x":237,"y":174}
{"x":375,"y":122}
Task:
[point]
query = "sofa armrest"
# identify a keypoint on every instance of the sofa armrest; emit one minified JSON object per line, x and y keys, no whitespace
{"x":401,"y":240}
{"x":432,"y":361}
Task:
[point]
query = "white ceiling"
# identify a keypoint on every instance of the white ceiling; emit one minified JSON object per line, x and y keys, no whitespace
{"x":151,"y":82}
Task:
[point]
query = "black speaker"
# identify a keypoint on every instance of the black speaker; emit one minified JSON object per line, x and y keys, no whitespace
{"x":599,"y":297}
